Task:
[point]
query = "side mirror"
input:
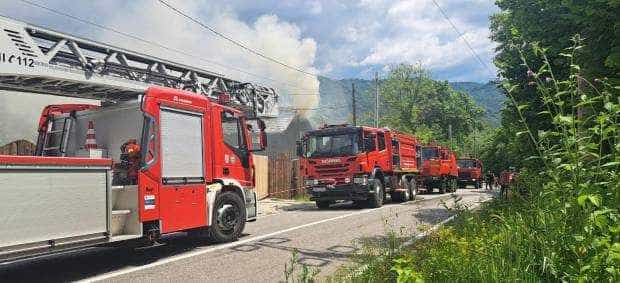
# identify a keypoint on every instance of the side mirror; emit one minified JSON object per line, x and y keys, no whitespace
{"x":263,"y":139}
{"x":258,"y":138}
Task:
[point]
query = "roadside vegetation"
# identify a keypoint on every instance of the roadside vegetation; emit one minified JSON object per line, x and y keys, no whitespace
{"x":560,"y":222}
{"x":560,"y":129}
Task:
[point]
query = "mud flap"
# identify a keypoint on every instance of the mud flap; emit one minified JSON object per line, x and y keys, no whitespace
{"x":251,"y":205}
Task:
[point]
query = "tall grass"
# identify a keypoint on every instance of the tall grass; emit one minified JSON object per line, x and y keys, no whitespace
{"x":561,"y":221}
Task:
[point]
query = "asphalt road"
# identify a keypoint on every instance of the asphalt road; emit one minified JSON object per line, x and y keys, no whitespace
{"x":324,"y":239}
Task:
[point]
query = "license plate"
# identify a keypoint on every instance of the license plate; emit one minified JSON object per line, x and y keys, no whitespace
{"x":319,"y":189}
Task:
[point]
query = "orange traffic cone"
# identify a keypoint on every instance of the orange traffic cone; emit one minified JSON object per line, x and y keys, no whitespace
{"x":91,"y":142}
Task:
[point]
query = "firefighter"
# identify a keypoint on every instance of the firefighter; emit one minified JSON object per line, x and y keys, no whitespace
{"x":488,"y":179}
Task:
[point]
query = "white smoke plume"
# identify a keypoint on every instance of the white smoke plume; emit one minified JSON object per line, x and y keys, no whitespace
{"x":267,"y":34}
{"x":152,"y":21}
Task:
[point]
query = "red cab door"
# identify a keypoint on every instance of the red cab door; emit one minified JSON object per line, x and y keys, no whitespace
{"x":182,"y":155}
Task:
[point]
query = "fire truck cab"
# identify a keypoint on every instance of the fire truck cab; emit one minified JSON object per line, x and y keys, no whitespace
{"x":439,"y":169}
{"x":362,"y":164}
{"x":470,"y":172}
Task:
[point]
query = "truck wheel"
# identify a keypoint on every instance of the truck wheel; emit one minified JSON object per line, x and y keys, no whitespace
{"x":413,"y":187}
{"x":376,"y":200}
{"x":454,"y":185}
{"x":229,"y":216}
{"x":322,"y":204}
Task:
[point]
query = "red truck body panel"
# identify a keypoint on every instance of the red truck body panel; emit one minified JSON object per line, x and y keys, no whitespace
{"x":406,"y":152}
{"x":62,"y":161}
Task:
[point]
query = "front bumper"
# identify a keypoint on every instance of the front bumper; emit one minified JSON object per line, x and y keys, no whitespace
{"x":339,"y":192}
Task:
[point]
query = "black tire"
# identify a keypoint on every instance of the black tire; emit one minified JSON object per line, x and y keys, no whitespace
{"x":413,"y":189}
{"x":229,"y":218}
{"x":442,"y":187}
{"x":322,"y":204}
{"x":404,"y":195}
{"x":455,"y":185}
{"x":376,"y":199}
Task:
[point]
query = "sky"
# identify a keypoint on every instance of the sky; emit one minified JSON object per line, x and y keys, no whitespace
{"x":337,"y":39}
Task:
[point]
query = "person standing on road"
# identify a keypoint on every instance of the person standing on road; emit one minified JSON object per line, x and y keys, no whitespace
{"x":488,"y":178}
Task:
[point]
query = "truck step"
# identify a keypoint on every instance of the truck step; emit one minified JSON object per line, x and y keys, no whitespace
{"x":121,"y":212}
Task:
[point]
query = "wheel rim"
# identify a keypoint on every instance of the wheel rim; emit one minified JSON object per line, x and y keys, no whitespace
{"x":228,"y":217}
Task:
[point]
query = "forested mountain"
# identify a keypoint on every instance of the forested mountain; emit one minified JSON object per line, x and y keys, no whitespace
{"x":487,"y":95}
{"x":336,"y":99}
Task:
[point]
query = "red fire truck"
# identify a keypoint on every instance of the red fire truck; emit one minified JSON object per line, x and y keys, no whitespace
{"x":163,"y":148}
{"x":470,"y":172}
{"x":362,"y":164}
{"x":439,"y":169}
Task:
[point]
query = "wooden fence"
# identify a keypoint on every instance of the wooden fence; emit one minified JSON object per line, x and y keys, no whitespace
{"x":20,"y":147}
{"x":285,"y":180}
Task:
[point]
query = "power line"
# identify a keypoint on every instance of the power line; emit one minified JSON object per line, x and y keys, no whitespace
{"x":445,"y":15}
{"x":134,"y":37}
{"x":316,"y":108}
{"x":233,"y":41}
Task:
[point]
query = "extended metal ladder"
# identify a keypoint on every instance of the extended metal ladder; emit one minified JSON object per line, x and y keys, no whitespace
{"x":55,"y":139}
{"x":34,"y":59}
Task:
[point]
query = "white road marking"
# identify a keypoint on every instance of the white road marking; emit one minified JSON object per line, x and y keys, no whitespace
{"x":233,"y":244}
{"x":221,"y":247}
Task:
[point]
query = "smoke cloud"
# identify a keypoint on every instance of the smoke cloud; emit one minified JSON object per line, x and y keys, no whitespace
{"x":267,"y":34}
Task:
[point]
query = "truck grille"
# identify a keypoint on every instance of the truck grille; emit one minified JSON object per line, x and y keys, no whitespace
{"x":332,"y":170}
{"x":464,"y":175}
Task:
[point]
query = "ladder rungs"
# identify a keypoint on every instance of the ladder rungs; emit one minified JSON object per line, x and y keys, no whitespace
{"x":55,"y":131}
{"x":51,"y":148}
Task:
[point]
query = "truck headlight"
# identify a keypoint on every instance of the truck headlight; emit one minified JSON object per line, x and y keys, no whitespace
{"x":311,"y":182}
{"x":361,"y":180}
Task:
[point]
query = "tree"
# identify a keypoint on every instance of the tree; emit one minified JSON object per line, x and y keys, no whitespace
{"x":414,"y":103}
{"x":552,"y":24}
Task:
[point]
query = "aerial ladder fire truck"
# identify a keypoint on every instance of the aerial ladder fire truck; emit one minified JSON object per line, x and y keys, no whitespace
{"x":163,"y":148}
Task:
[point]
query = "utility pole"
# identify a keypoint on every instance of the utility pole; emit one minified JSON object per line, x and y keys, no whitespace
{"x":353,"y":104}
{"x":376,"y":99}
{"x":450,"y":136}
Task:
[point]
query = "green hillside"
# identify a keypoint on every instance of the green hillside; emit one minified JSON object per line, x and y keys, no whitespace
{"x":486,"y":95}
{"x":335,"y":102}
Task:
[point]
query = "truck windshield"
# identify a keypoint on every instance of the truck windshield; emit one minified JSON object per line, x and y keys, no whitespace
{"x":466,"y":163}
{"x":334,"y":145}
{"x":430,"y":153}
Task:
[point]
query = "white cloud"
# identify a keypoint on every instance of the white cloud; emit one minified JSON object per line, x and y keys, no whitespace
{"x":420,"y":34}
